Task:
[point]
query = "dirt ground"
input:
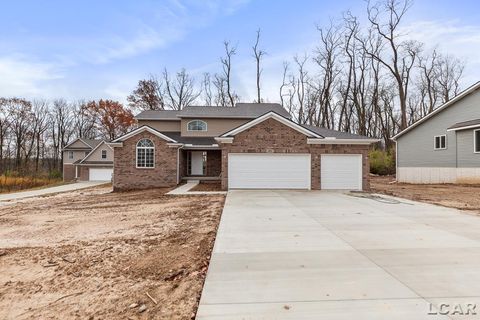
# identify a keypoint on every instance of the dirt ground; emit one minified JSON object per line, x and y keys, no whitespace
{"x":93,"y":254}
{"x":466,"y":197}
{"x":208,"y":186}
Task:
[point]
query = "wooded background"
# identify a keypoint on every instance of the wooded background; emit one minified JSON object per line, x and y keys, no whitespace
{"x":368,"y":79}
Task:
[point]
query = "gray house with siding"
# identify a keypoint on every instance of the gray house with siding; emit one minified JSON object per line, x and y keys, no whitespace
{"x":444,"y":146}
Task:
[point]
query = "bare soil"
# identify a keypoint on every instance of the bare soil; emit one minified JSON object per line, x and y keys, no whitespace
{"x":208,"y":186}
{"x":459,"y":196}
{"x":93,"y":254}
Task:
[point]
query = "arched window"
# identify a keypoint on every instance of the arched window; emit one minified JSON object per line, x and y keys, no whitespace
{"x":145,"y":154}
{"x":197,"y":125}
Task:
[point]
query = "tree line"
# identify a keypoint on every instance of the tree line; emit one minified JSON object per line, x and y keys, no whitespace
{"x":367,"y":79}
{"x":371,"y":80}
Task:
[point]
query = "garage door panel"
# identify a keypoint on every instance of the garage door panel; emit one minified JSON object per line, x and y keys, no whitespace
{"x":269,"y":171}
{"x":341,"y":172}
{"x":100,"y":174}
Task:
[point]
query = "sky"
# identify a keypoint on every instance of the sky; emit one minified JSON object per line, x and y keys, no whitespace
{"x":94,"y":49}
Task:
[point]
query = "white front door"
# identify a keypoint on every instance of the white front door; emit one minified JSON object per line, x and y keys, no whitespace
{"x":100,"y":174}
{"x":269,"y":171}
{"x":197,"y":163}
{"x":341,"y":171}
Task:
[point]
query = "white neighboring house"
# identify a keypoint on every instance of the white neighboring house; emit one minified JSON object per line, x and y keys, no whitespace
{"x":444,"y":146}
{"x":87,"y":160}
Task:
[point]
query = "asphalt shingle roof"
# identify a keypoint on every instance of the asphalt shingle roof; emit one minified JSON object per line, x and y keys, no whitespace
{"x":334,"y":133}
{"x":465,"y":124}
{"x":241,"y":110}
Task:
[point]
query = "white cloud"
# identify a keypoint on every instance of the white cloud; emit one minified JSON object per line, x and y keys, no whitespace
{"x":20,"y":76}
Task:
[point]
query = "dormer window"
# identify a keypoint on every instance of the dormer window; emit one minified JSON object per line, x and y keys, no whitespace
{"x":197,"y":125}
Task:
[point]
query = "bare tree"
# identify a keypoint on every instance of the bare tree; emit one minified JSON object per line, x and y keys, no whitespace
{"x":207,"y":89}
{"x":20,"y":111}
{"x":84,"y":123}
{"x":450,"y":70}
{"x":180,"y":91}
{"x":227,"y":71}
{"x":61,"y":130}
{"x":258,"y":55}
{"x":402,"y":54}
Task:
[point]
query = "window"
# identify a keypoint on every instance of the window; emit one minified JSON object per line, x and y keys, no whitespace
{"x":197,"y":125}
{"x":104,"y":154}
{"x":476,"y":141}
{"x":440,"y":142}
{"x":70,"y":155}
{"x":145,"y":154}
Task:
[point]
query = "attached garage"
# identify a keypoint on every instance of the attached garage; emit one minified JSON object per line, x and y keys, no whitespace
{"x":100,"y":174}
{"x":269,"y":171}
{"x":341,"y":171}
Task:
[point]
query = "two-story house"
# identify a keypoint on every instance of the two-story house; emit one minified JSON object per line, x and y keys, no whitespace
{"x":250,"y":145}
{"x":87,"y":160}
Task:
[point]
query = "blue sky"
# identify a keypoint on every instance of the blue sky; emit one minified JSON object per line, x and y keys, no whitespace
{"x":100,"y":49}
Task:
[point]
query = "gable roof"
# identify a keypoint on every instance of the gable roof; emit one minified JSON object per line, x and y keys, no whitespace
{"x":142,"y":129}
{"x":89,"y":143}
{"x":93,"y":150}
{"x":447,"y":104}
{"x":241,"y":111}
{"x":465,"y":125}
{"x":279,"y":118}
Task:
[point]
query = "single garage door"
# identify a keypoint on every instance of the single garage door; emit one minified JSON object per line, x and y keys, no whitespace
{"x":103,"y":174}
{"x":268,"y":171}
{"x":341,"y":171}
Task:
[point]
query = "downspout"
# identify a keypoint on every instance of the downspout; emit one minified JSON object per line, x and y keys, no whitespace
{"x":396,"y":160}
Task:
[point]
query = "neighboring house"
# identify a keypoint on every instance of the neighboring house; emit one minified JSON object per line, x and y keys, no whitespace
{"x":87,"y":160}
{"x":444,"y":146}
{"x":249,"y":146}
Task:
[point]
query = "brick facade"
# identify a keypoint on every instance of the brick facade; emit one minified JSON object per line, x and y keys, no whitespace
{"x":214,"y":163}
{"x":271,"y":136}
{"x":68,"y":172}
{"x":127,"y":176}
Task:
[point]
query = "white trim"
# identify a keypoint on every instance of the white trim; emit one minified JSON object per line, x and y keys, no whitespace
{"x":341,"y":141}
{"x":275,"y":116}
{"x":141,"y":129}
{"x":206,"y":126}
{"x":70,"y":153}
{"x":144,"y":148}
{"x":439,"y":109}
{"x":175,"y":144}
{"x":475,"y":141}
{"x":96,"y":164}
{"x":115,"y":144}
{"x":96,"y":147}
{"x":101,"y":154}
{"x":465,"y":128}
{"x":435,"y":142}
{"x":224,"y":139}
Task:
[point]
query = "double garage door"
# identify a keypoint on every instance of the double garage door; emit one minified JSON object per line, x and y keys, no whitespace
{"x":293,"y":171}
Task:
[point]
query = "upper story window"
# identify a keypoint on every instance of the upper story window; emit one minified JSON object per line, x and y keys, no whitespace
{"x":145,"y":154}
{"x":104,"y":154}
{"x":440,"y":142}
{"x":476,"y":141}
{"x":197,"y":125}
{"x":70,"y":155}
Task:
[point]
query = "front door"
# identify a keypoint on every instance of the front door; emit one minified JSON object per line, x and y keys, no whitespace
{"x":197,"y":163}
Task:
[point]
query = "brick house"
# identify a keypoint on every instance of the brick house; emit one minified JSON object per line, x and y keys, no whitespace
{"x":249,"y":146}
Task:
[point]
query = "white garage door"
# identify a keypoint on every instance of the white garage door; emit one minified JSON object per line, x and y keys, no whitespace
{"x":268,"y":171}
{"x":341,"y":171}
{"x":100,"y":174}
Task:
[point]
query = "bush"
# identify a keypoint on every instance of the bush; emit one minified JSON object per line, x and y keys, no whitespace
{"x":55,"y":174}
{"x":382,"y":162}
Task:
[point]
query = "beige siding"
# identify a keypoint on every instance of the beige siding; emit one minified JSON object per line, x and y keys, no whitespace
{"x":79,"y":144}
{"x":215,"y":127}
{"x":162,"y":126}
{"x":77,"y":155}
{"x":97,"y":154}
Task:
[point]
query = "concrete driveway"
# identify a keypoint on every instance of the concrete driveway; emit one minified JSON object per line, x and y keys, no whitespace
{"x":50,"y":190}
{"x":325,"y":255}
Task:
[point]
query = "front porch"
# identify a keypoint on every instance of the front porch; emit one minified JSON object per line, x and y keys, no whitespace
{"x":203,"y":165}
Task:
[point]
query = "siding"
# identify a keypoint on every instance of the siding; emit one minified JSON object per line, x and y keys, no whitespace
{"x":97,"y":154}
{"x":165,"y":126}
{"x":415,"y":148}
{"x":466,"y":157}
{"x":77,"y":155}
{"x":215,"y":127}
